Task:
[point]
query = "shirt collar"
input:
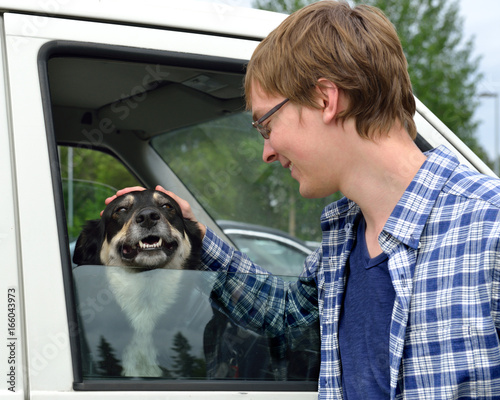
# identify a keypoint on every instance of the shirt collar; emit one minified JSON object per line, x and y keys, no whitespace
{"x":408,"y":218}
{"x":337,"y":208}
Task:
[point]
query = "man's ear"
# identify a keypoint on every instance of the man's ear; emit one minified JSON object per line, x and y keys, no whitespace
{"x":329,"y":98}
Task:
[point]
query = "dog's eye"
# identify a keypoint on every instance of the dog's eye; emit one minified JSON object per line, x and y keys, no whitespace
{"x":167,"y":206}
{"x":120,"y":210}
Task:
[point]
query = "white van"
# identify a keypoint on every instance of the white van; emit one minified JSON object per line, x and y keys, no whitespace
{"x":100,"y":94}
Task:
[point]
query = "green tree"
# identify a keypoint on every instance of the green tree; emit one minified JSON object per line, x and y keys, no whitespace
{"x":443,"y":71}
{"x":441,"y":65}
{"x":282,"y":6}
{"x":186,"y":365}
{"x":108,"y":364}
{"x":89,"y":177}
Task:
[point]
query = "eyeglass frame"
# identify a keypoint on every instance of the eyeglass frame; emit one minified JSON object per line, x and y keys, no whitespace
{"x":264,"y":130}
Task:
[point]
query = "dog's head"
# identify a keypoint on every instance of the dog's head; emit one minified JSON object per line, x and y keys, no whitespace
{"x":141,"y":230}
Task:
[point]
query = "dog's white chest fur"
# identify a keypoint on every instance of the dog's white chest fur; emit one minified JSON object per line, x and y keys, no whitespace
{"x":144,"y":297}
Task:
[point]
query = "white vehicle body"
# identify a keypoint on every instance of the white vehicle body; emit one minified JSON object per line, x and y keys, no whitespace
{"x":36,"y":361}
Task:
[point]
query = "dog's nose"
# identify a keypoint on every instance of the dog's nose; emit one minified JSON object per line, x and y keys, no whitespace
{"x":147,"y":218}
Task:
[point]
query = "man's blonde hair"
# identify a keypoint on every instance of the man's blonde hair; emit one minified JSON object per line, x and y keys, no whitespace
{"x":356,"y":48}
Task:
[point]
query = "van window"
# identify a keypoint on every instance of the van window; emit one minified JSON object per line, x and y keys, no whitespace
{"x":88,"y":177}
{"x":126,"y":117}
{"x":191,"y":338}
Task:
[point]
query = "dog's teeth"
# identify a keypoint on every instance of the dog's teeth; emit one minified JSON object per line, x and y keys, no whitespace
{"x":143,"y":245}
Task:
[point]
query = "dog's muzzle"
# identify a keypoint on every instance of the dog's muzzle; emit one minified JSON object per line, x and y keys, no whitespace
{"x":150,"y":235}
{"x":149,"y":243}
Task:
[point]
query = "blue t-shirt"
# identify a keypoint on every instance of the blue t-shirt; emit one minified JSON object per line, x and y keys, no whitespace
{"x":365,"y":324}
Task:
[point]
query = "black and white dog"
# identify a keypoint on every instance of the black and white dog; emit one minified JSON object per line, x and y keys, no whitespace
{"x":141,"y":232}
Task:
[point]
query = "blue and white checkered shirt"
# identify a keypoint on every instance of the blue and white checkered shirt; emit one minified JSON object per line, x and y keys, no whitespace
{"x":443,"y":244}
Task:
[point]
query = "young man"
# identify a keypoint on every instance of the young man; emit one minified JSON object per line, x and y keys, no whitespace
{"x":406,"y":283}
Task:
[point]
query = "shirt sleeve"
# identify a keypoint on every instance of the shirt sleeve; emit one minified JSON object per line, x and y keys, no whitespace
{"x":256,"y":299}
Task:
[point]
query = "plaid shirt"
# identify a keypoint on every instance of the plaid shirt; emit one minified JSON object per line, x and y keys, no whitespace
{"x":443,"y":243}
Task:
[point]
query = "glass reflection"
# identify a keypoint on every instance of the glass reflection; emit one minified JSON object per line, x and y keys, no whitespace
{"x":193,"y":336}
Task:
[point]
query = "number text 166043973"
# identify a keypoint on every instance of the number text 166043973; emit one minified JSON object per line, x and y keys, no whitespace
{"x":11,"y":339}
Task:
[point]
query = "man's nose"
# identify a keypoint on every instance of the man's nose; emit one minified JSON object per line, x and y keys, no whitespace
{"x":269,"y":155}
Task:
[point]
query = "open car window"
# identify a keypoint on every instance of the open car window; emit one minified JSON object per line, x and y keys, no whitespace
{"x":122,"y":117}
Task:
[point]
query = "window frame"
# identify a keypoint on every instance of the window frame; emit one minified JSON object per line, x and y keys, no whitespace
{"x":115,"y":52}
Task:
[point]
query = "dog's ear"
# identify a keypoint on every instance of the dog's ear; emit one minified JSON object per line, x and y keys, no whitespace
{"x":89,"y":243}
{"x":193,"y":231}
{"x":193,"y":262}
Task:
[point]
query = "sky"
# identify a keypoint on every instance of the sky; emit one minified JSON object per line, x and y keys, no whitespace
{"x":481,"y":20}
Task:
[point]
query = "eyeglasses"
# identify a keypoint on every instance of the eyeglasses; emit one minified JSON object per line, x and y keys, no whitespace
{"x":264,"y":130}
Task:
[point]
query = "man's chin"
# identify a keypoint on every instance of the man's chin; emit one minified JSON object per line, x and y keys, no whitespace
{"x":313,"y":193}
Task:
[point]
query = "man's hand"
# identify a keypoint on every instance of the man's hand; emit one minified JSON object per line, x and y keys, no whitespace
{"x":121,"y":192}
{"x":187,"y":212}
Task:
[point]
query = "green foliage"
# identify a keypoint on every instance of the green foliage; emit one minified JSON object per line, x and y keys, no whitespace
{"x":95,"y":176}
{"x":443,"y":71}
{"x":282,"y":6}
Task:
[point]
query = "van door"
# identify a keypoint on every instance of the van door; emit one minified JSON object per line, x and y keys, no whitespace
{"x":162,"y":104}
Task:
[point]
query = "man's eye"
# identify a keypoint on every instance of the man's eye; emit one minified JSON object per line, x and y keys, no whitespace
{"x":267,"y":127}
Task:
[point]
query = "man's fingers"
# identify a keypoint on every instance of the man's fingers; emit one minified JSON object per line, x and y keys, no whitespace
{"x":109,"y":200}
{"x":123,"y":191}
{"x":162,"y":189}
{"x":183,"y":204}
{"x":171,"y":194}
